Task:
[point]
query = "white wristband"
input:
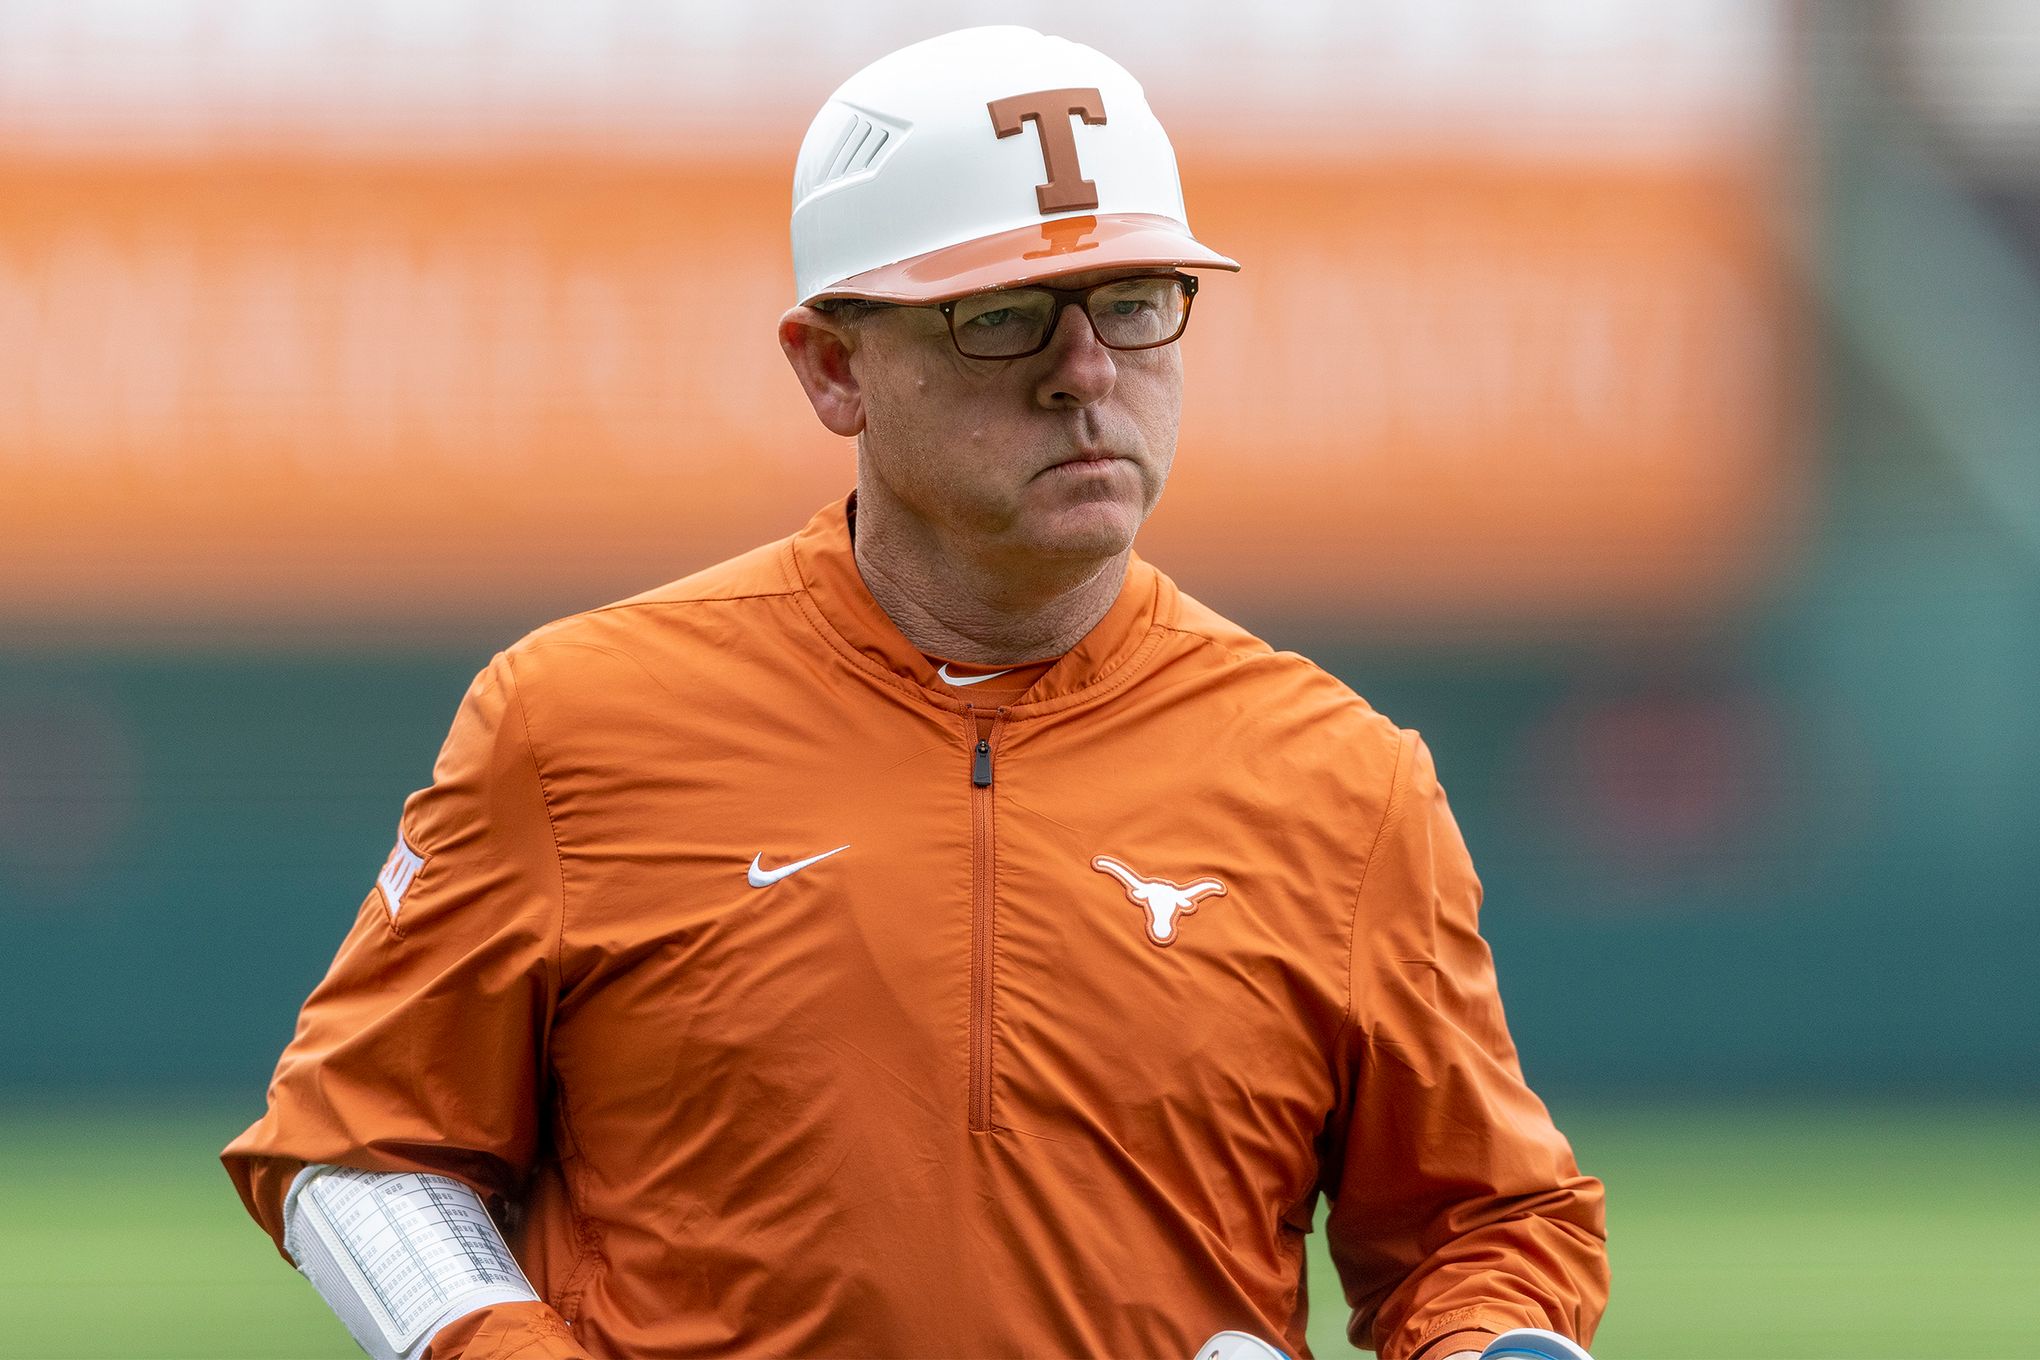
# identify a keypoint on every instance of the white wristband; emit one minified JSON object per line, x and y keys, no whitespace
{"x":397,"y":1255}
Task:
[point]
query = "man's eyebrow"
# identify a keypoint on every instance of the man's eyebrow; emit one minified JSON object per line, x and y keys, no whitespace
{"x":850,"y":306}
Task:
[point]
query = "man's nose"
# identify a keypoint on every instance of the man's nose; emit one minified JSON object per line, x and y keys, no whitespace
{"x":1081,"y":369}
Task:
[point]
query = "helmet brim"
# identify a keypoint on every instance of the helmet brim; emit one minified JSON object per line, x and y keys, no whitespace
{"x":1031,"y":254}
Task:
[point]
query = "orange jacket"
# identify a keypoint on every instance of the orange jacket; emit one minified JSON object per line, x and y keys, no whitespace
{"x":1052,"y":1054}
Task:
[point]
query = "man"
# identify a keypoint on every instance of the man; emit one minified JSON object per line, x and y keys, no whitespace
{"x":932,"y":934}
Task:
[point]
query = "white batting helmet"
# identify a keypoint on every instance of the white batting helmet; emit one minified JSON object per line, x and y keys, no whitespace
{"x":981,"y":159}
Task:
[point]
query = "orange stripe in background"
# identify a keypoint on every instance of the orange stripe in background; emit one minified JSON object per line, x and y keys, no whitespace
{"x":265,"y":392}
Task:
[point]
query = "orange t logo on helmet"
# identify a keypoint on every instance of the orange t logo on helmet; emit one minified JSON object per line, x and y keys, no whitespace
{"x":1050,"y":111}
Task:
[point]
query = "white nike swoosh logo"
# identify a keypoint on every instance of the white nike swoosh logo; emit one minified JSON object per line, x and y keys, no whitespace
{"x":765,"y":878}
{"x":948,"y":679}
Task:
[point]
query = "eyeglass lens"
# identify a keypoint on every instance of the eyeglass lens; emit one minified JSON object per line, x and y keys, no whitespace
{"x":1126,"y":313}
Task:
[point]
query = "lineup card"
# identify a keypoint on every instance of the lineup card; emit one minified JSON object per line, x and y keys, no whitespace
{"x":413,"y":1242}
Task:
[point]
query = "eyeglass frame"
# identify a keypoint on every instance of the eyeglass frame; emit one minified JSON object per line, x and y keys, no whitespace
{"x":1065,"y":298}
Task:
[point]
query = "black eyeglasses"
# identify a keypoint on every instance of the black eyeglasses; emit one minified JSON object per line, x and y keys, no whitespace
{"x":1146,"y":311}
{"x":1143,"y":312}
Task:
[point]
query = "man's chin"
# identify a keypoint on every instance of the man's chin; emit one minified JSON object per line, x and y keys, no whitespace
{"x":1091,"y":529}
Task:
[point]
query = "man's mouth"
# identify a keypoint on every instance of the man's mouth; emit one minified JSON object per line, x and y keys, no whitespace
{"x":1086,"y":457}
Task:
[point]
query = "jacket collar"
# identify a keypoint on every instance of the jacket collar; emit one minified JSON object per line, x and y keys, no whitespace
{"x":823,"y":564}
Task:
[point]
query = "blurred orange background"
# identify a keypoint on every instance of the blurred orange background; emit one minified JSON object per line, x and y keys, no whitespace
{"x":372,"y":378}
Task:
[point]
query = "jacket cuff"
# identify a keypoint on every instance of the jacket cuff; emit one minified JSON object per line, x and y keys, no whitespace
{"x":1458,"y":1339}
{"x":523,"y":1331}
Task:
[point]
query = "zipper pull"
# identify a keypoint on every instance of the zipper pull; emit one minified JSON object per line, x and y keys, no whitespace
{"x":981,"y":757}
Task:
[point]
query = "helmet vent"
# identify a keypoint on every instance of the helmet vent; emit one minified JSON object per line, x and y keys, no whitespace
{"x":856,"y":149}
{"x":868,"y":148}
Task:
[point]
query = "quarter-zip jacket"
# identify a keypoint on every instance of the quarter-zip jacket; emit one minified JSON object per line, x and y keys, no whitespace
{"x":1077,"y":1006}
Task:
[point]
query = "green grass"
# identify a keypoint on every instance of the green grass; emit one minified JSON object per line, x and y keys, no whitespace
{"x":1795,"y":1233}
{"x":1863,"y":1233}
{"x":123,"y":1237}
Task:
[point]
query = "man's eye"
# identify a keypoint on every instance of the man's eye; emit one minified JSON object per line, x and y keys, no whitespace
{"x":998,"y":316}
{"x":1130,"y":307}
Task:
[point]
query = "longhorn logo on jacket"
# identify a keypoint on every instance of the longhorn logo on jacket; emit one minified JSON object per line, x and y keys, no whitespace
{"x":1163,"y":899}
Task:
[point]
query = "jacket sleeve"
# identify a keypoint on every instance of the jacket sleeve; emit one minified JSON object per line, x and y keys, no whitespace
{"x":424,"y":1047}
{"x":1457,"y":1209}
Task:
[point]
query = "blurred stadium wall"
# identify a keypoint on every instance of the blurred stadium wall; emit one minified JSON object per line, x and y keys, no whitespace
{"x":1639,"y":398}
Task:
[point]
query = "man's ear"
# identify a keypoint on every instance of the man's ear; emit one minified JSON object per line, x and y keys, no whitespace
{"x":818,"y":346}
